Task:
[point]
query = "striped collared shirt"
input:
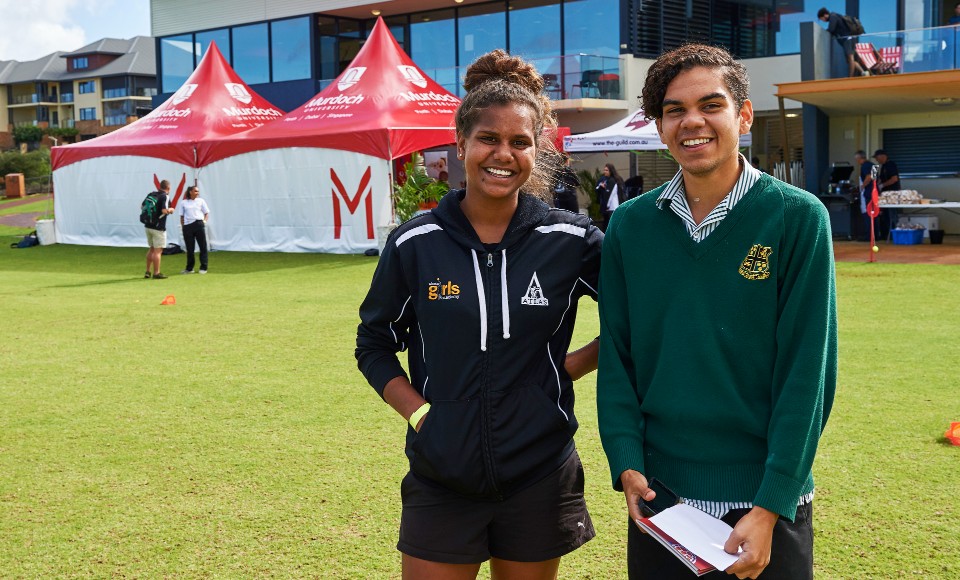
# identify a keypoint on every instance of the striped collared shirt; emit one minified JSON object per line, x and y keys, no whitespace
{"x":718,"y":509}
{"x":674,"y":193}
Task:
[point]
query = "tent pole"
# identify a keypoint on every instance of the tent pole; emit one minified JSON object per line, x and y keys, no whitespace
{"x":786,"y":143}
{"x":393,"y":209}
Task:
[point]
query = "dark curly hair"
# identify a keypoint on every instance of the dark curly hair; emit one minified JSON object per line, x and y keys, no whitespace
{"x":497,"y":79}
{"x":670,"y":64}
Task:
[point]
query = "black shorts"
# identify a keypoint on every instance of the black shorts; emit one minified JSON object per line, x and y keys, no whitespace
{"x":791,"y":555}
{"x":542,"y":522}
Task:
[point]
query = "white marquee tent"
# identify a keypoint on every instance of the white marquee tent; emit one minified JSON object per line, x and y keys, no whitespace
{"x":632,"y":133}
{"x":99,"y":184}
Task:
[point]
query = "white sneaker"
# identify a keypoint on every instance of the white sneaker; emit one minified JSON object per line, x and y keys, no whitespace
{"x":187,"y":272}
{"x":203,"y":271}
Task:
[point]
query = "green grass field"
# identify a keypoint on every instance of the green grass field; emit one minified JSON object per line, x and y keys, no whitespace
{"x":231,"y":436}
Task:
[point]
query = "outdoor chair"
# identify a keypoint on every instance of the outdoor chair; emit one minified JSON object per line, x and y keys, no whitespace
{"x":872,"y":61}
{"x":892,"y":57}
{"x":551,"y":85}
{"x":589,"y":83}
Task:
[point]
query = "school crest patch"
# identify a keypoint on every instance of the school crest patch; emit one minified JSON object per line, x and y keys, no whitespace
{"x":756,"y":266}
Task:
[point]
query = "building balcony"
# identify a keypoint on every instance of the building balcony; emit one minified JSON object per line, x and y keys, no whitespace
{"x":32,"y":99}
{"x":573,"y":82}
{"x":910,"y":70}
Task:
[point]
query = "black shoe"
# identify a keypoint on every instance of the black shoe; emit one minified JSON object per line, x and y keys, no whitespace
{"x":159,"y":276}
{"x":147,"y":274}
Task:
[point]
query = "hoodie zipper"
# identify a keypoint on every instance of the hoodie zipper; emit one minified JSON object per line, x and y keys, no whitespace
{"x":484,"y":399}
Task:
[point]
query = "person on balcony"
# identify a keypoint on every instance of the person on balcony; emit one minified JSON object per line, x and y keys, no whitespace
{"x":838,"y":28}
{"x":955,"y":19}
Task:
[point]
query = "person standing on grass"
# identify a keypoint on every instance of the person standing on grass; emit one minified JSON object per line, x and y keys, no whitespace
{"x":157,"y":233}
{"x":194,"y":214}
{"x":718,"y":326}
{"x":483,"y":292}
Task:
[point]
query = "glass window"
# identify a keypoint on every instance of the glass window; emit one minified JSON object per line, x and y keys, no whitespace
{"x":87,"y":87}
{"x":176,"y":61}
{"x":533,"y":35}
{"x":250,"y":54}
{"x":290,"y":49}
{"x":793,"y":13}
{"x":88,"y":114}
{"x":80,"y":63}
{"x":431,"y":36}
{"x":221,"y":37}
{"x":481,"y":29}
{"x":533,"y":28}
{"x":591,"y":27}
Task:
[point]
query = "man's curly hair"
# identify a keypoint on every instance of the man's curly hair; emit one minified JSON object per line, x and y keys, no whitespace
{"x":670,"y":64}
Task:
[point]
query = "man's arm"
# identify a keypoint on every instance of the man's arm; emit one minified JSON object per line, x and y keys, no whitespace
{"x":620,"y":419}
{"x":805,"y":367}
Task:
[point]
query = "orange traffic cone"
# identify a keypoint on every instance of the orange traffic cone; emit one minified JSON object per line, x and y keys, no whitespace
{"x":953,"y":433}
{"x":169,"y":301}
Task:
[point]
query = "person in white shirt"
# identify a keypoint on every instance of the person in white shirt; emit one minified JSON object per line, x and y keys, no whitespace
{"x":193,"y":219}
{"x":610,"y":193}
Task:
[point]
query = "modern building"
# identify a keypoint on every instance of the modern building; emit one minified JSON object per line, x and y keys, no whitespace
{"x":594,"y":54}
{"x":95,"y":89}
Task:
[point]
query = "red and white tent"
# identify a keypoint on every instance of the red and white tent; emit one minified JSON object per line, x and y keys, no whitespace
{"x":318,"y":179}
{"x":99,"y":183}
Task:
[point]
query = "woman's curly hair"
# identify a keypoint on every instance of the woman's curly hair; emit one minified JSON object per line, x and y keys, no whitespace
{"x":670,"y":64}
{"x":497,"y":79}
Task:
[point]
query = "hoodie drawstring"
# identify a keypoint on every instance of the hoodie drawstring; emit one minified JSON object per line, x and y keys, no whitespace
{"x":483,"y":302}
{"x":504,"y":305}
{"x":481,"y":296}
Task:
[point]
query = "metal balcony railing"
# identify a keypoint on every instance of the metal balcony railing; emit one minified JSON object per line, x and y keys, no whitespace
{"x":577,"y":76}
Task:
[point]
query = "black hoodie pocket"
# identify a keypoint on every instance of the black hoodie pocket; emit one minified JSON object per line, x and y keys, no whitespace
{"x":528,"y":429}
{"x":447,"y":450}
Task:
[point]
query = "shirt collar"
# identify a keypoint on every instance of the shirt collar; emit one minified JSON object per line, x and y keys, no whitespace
{"x":749,"y":175}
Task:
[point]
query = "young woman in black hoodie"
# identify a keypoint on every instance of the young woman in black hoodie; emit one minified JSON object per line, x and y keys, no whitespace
{"x":483,"y":293}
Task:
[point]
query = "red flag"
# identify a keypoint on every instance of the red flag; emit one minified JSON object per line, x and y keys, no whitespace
{"x":873,"y":206}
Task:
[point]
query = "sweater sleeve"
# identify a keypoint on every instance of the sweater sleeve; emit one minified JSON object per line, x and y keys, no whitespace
{"x":618,"y":406}
{"x":805,"y":369}
{"x":386,"y":317}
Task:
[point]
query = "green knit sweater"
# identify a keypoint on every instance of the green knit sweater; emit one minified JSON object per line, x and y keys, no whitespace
{"x":718,"y":360}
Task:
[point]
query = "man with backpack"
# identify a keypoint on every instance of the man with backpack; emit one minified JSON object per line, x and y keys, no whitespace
{"x":153,"y":214}
{"x":845,"y":29}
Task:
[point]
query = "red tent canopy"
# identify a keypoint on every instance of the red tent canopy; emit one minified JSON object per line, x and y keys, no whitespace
{"x":382,"y":105}
{"x":212,"y":104}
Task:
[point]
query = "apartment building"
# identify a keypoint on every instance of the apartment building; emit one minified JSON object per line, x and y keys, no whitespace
{"x":95,"y":89}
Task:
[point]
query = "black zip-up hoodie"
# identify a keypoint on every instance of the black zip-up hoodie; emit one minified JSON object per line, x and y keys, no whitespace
{"x":487,"y":330}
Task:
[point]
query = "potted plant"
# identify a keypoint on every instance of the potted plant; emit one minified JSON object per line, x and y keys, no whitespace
{"x":418,"y":190}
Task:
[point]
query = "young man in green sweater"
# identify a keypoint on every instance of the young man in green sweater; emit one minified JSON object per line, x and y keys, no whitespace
{"x":718,"y":350}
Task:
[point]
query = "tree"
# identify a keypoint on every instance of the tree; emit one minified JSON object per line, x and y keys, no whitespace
{"x":27,"y":134}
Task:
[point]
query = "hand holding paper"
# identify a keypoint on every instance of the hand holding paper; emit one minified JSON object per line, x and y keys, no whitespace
{"x":695,"y":537}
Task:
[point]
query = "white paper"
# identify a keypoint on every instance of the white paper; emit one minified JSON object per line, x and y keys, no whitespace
{"x":698,"y":532}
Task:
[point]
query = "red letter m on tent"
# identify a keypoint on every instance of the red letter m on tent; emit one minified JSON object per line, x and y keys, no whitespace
{"x":364,"y":191}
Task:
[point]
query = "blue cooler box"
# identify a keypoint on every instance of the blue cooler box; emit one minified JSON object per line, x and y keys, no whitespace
{"x":907,"y":237}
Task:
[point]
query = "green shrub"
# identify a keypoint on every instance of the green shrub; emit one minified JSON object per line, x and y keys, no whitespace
{"x":27,"y":134}
{"x":62,"y":132}
{"x":418,"y":188}
{"x":588,"y":183}
{"x":32,"y":164}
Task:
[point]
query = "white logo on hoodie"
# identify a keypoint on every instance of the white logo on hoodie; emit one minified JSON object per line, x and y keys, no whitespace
{"x":534,"y":295}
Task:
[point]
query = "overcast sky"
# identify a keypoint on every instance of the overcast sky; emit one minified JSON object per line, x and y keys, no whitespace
{"x":35,"y":28}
